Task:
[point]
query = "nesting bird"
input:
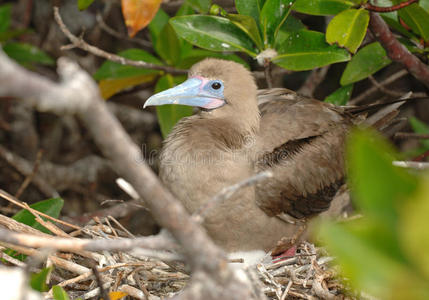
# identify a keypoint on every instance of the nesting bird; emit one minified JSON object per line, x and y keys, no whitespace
{"x":300,"y":140}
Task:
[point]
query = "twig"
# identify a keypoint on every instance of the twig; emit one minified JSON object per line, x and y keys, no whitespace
{"x":383,"y":89}
{"x":380,"y":9}
{"x":412,"y":164}
{"x":116,"y":34}
{"x":80,"y":43}
{"x":396,"y":51}
{"x":227,"y":193}
{"x":103,"y":292}
{"x":268,"y":75}
{"x":15,"y":201}
{"x":410,"y":135}
{"x":374,"y":89}
{"x":312,"y":82}
{"x":30,"y":177}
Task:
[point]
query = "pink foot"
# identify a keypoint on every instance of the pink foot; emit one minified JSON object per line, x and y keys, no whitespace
{"x":285,"y":255}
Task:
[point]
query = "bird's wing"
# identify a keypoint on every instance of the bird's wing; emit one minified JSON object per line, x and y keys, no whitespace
{"x":301,"y":141}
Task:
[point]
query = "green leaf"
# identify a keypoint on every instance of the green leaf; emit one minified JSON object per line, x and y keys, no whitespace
{"x":27,"y":54}
{"x":305,"y":50}
{"x":251,"y":8}
{"x":196,"y":55}
{"x":341,"y":96}
{"x":348,"y":28}
{"x":157,"y":24}
{"x":377,"y":185}
{"x":417,"y":18}
{"x":273,"y":15}
{"x":249,"y":26}
{"x":168,"y":45}
{"x":367,"y":61}
{"x":59,"y":293}
{"x":38,"y":280}
{"x":184,"y":10}
{"x":421,"y":128}
{"x":10,"y":34}
{"x":110,"y":70}
{"x":5,"y":16}
{"x":212,"y":33}
{"x":52,"y":207}
{"x":84,"y":4}
{"x":322,"y":7}
{"x":201,"y":6}
{"x":169,"y":115}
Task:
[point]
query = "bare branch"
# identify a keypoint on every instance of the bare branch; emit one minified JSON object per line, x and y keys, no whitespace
{"x":380,"y":9}
{"x":313,"y":81}
{"x":396,"y":51}
{"x":412,"y":165}
{"x":80,"y":43}
{"x":410,"y":135}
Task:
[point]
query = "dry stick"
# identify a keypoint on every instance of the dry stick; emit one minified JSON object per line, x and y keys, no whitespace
{"x":412,"y":164}
{"x":227,"y":193}
{"x":268,"y":75}
{"x":313,"y":81}
{"x":380,"y":9}
{"x":103,"y":292}
{"x":25,"y":169}
{"x":410,"y":135}
{"x":392,"y":93}
{"x":80,"y":43}
{"x":30,"y":177}
{"x":77,"y":93}
{"x":374,"y":89}
{"x":116,"y":34}
{"x":396,"y":51}
{"x":15,"y":201}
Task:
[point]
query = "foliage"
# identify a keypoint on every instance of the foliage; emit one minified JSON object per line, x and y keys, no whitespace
{"x":38,"y":280}
{"x":383,"y":252}
{"x":24,"y":54}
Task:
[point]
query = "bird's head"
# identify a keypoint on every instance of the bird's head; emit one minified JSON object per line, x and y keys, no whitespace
{"x":222,"y":89}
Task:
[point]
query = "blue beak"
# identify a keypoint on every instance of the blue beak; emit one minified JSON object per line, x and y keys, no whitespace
{"x":191,"y":93}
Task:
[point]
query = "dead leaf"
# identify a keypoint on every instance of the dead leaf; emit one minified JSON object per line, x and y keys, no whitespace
{"x":138,"y":14}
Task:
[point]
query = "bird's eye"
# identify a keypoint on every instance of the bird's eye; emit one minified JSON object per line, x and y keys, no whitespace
{"x":216,"y":85}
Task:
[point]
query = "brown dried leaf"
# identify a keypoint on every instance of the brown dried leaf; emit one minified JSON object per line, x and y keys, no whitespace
{"x":138,"y":14}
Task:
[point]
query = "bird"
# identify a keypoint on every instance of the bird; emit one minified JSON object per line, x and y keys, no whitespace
{"x":240,"y":131}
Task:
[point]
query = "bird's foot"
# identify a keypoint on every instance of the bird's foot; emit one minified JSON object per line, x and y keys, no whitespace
{"x":291,"y":252}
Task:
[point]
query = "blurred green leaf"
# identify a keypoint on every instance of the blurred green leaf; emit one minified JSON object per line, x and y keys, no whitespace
{"x":59,"y":293}
{"x":289,"y":27}
{"x":367,"y":61}
{"x":273,"y":15}
{"x":341,"y":96}
{"x":84,"y":4}
{"x":10,"y":34}
{"x":377,"y":185}
{"x":184,"y":10}
{"x":170,"y":114}
{"x":168,"y":45}
{"x":38,"y":280}
{"x":5,"y":15}
{"x":111,"y":70}
{"x":52,"y":207}
{"x":202,"y":6}
{"x":157,"y":24}
{"x":196,"y":55}
{"x":421,"y":128}
{"x":417,"y":18}
{"x":251,"y":8}
{"x":27,"y":54}
{"x":322,"y":7}
{"x":212,"y":33}
{"x":348,"y":28}
{"x":249,"y":26}
{"x":305,"y":50}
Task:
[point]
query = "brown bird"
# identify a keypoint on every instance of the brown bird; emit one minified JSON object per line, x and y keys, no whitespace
{"x":300,"y":140}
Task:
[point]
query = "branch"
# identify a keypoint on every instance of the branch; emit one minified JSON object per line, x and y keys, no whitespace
{"x":410,"y":135}
{"x":380,"y":9}
{"x":396,"y":51}
{"x":412,"y":165}
{"x":77,"y":93}
{"x":80,"y":43}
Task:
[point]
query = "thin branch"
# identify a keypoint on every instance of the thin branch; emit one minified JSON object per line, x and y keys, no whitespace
{"x":396,"y":51}
{"x":412,"y":165}
{"x":374,"y":89}
{"x":30,"y":177}
{"x":410,"y":135}
{"x":392,"y":93}
{"x":80,"y":43}
{"x":381,"y":9}
{"x":103,"y":292}
{"x":313,"y":81}
{"x":227,"y":193}
{"x":268,"y":75}
{"x":116,"y":34}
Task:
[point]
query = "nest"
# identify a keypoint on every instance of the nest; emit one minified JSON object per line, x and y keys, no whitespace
{"x":150,"y":275}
